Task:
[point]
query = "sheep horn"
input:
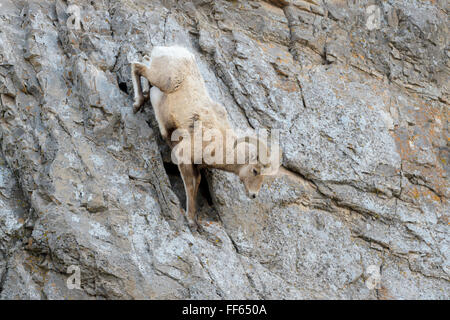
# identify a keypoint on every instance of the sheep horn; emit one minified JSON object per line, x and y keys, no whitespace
{"x":260,"y":145}
{"x":275,"y":161}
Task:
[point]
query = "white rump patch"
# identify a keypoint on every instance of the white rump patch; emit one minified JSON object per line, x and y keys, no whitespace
{"x":172,"y":52}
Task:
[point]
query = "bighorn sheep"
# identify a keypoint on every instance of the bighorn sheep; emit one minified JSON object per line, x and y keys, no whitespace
{"x":179,"y":99}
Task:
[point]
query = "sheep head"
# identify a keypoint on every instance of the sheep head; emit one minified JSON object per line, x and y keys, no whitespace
{"x":259,"y":162}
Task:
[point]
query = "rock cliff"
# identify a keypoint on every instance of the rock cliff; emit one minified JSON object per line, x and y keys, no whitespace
{"x":360,"y":92}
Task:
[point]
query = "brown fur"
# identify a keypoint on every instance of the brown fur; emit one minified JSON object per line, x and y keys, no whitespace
{"x":179,"y":98}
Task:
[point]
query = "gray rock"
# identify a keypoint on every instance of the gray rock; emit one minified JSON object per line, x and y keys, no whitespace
{"x":363,"y":114}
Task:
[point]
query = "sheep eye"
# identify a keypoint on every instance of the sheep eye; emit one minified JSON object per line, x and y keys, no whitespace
{"x":255,"y":172}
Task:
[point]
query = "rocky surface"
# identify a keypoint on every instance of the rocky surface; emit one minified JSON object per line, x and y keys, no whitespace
{"x":363,"y":110}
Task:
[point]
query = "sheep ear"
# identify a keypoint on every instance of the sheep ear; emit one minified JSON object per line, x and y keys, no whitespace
{"x":246,"y":139}
{"x":275,"y":162}
{"x":259,"y":144}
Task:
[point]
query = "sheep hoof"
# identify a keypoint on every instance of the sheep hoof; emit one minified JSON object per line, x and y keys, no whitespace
{"x":136,"y":108}
{"x":138,"y":102}
{"x":193,"y":226}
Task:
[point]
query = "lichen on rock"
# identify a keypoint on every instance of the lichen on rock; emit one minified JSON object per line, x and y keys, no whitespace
{"x":363,"y":114}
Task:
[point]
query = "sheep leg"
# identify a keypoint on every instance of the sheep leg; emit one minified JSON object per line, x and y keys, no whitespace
{"x":191,"y":179}
{"x":198,"y":178}
{"x":137,"y":70}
